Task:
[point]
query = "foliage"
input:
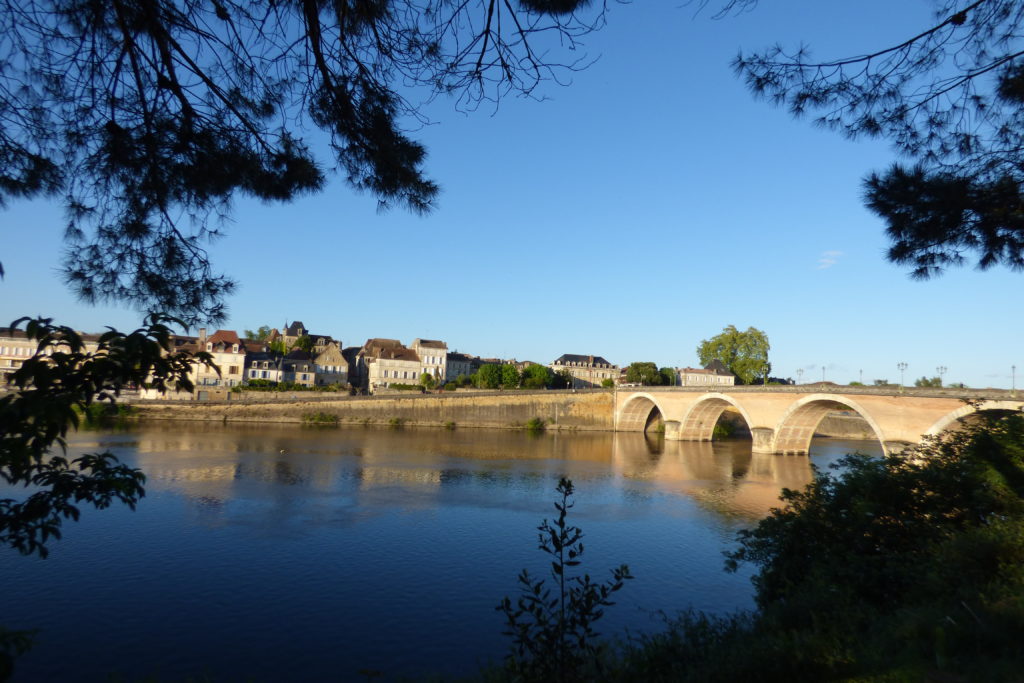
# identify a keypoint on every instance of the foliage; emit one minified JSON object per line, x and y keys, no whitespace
{"x":319,"y":418}
{"x":259,"y":334}
{"x":553,"y":630}
{"x":535,"y":424}
{"x":881,"y":382}
{"x":607,"y":383}
{"x":278,"y":346}
{"x":926,"y":382}
{"x":644,"y":373}
{"x":13,"y":644}
{"x":537,"y":376}
{"x":450,"y":386}
{"x":488,"y":376}
{"x":509,"y":376}
{"x":287,"y":386}
{"x":908,"y":560}
{"x":52,"y":388}
{"x":563,"y":379}
{"x":745,"y":354}
{"x":400,"y":386}
{"x":668,"y":376}
{"x":949,"y":99}
{"x":428,"y":381}
{"x":304,"y":342}
{"x":150,"y":116}
{"x":855,"y":383}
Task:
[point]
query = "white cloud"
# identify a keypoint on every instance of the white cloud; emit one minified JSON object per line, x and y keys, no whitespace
{"x":828,"y":259}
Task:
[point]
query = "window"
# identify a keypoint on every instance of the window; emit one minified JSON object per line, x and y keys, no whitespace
{"x":209,"y":346}
{"x":264,"y":373}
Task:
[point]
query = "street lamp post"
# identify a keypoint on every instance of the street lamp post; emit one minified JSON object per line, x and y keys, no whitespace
{"x":800,"y":376}
{"x":902,"y":366}
{"x":823,"y":372}
{"x":942,"y":371}
{"x":1013,"y":381}
{"x":861,"y":380}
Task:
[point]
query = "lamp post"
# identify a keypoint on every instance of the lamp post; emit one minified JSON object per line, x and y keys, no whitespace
{"x":902,"y":366}
{"x":942,"y":371}
{"x":823,"y":373}
{"x":1013,"y":381}
{"x":800,"y":376}
{"x":861,"y":375}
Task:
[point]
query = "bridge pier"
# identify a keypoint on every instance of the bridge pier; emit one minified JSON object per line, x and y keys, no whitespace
{"x":762,"y":439}
{"x":673,"y":430}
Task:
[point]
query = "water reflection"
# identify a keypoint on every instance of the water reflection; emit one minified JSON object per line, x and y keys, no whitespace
{"x":371,"y":548}
{"x":223,"y":463}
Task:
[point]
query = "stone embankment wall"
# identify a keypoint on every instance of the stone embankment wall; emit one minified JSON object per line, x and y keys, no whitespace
{"x":586,"y":410}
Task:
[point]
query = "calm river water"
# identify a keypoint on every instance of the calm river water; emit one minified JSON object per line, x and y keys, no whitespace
{"x":273,"y":553}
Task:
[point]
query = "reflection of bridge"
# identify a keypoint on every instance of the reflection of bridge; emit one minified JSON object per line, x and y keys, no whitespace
{"x":783,"y":419}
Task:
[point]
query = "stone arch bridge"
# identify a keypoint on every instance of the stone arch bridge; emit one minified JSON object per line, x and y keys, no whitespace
{"x":782,"y":419}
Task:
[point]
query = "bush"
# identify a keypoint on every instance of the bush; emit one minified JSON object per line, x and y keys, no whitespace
{"x":552,"y":629}
{"x":535,"y":424}
{"x":320,"y":418}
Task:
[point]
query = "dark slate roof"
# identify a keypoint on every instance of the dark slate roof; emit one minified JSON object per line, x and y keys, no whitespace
{"x":567,"y":358}
{"x":295,"y":329}
{"x":432,"y":344}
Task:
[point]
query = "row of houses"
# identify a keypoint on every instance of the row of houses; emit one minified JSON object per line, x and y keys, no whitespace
{"x":295,"y":355}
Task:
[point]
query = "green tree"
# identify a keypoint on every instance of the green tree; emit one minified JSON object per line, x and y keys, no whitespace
{"x":489,"y":376}
{"x":140,"y":111}
{"x":52,"y":388}
{"x":607,"y":383}
{"x":858,"y":566}
{"x":509,"y":376}
{"x":553,"y":629}
{"x":304,"y":342}
{"x":563,"y":379}
{"x":260,"y":334}
{"x":668,"y":376}
{"x":745,"y":354}
{"x":427,"y":381}
{"x":643,"y":373}
{"x":950,"y":99}
{"x":537,"y":376}
{"x":277,"y":346}
{"x":926,"y":382}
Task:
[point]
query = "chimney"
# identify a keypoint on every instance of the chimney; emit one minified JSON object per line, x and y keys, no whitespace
{"x":202,"y":335}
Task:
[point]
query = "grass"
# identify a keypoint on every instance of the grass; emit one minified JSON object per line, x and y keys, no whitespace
{"x":319,"y":418}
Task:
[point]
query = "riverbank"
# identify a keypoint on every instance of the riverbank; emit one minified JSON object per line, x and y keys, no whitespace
{"x":583,"y":411}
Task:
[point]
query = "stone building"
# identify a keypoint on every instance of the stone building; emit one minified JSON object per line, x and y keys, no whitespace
{"x":330,"y":365}
{"x":587,"y":371}
{"x":16,"y":348}
{"x":228,"y":354}
{"x":713,"y":375}
{"x":433,"y":356}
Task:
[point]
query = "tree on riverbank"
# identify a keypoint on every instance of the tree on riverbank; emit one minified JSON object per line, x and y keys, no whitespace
{"x":907,"y":567}
{"x":744,"y":354}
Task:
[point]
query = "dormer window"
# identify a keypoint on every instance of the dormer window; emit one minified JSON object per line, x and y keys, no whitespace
{"x":209,"y":346}
{"x":234,"y":348}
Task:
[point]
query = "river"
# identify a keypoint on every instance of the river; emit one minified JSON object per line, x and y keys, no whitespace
{"x":272,"y":553}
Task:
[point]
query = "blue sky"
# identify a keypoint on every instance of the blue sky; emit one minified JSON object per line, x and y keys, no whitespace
{"x":631,"y":215}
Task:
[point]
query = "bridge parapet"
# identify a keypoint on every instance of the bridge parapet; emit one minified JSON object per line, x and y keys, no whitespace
{"x":783,"y":419}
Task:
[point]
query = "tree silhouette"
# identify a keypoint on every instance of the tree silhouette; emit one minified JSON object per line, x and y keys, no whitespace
{"x":149,"y":116}
{"x":949,"y":99}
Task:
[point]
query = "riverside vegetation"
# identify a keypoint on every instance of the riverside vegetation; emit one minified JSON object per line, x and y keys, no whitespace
{"x":903,"y":568}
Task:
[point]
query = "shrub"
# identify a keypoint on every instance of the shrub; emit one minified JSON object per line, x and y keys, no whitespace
{"x":552,"y":629}
{"x":320,"y":418}
{"x":535,"y":424}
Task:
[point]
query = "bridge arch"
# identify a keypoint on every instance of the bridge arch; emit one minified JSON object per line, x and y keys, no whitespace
{"x":796,"y":428}
{"x":949,"y":420}
{"x":637,"y":413}
{"x":699,"y":422}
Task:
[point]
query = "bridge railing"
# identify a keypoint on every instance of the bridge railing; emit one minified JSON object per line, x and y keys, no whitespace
{"x":828,"y":388}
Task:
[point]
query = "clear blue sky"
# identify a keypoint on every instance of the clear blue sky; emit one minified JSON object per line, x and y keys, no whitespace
{"x":631,"y":215}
